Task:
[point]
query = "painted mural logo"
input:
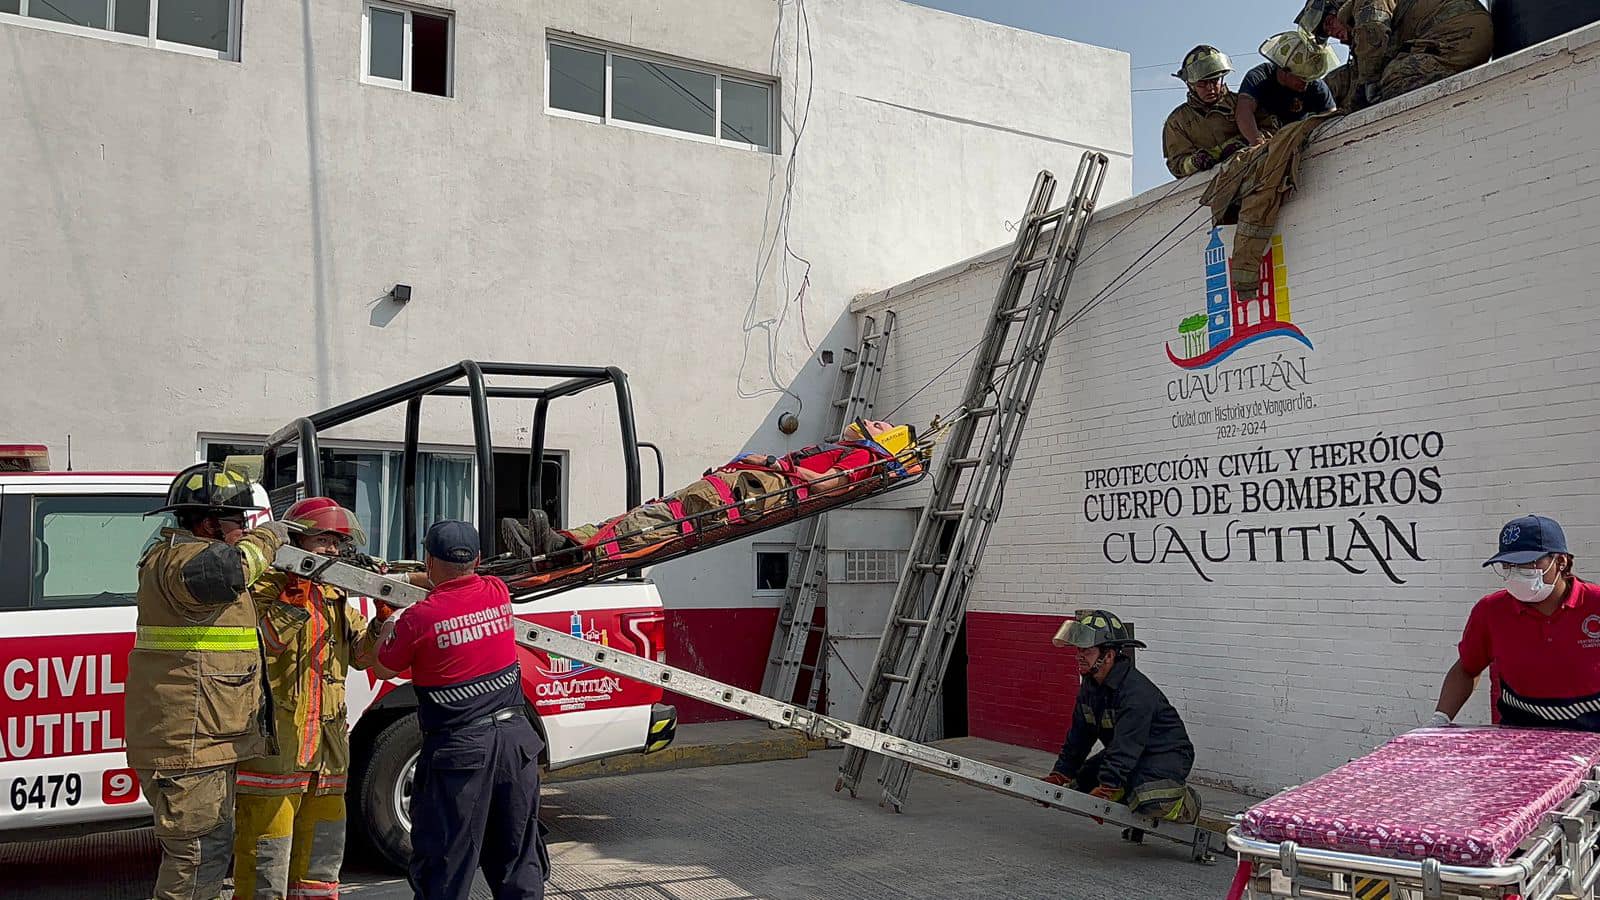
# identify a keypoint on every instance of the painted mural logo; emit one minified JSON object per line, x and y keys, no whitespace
{"x":560,"y":666}
{"x":1231,"y":322}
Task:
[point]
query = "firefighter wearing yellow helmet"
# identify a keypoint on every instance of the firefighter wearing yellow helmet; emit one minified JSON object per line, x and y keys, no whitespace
{"x":1287,"y":87}
{"x":291,"y":809}
{"x":196,"y":701}
{"x":1201,"y":132}
{"x":1147,"y":755}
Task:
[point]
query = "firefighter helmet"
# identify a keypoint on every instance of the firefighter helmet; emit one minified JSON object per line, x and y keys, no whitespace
{"x":211,"y":489}
{"x":323,"y":515}
{"x":1096,"y":628}
{"x":1314,"y":14}
{"x":1203,"y":63}
{"x":1300,"y":53}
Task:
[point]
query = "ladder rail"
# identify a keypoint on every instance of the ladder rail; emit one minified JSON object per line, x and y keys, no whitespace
{"x":1021,"y":391}
{"x":1203,"y":844}
{"x":910,"y":667}
{"x":909,"y":593}
{"x":859,"y":379}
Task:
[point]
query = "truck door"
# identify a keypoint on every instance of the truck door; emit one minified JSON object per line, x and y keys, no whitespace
{"x":69,"y":557}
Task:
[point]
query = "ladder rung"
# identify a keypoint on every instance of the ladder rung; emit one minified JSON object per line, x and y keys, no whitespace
{"x":841,"y":403}
{"x":947,"y":513}
{"x":1016,"y":312}
{"x":850,"y":366}
{"x":983,"y":410}
{"x":931,"y":567}
{"x":966,"y":462}
{"x":897,"y":679}
{"x":1038,"y":262}
{"x":920,"y":623}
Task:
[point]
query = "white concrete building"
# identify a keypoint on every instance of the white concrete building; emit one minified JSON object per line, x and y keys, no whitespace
{"x":1297,"y":528}
{"x":212,"y":199}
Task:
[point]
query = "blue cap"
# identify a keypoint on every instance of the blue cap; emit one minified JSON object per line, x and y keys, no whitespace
{"x":452,"y":541}
{"x":1527,"y":539}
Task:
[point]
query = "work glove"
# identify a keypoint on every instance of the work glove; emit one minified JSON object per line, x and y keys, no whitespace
{"x":1233,"y":146}
{"x":381,"y":612}
{"x":278,"y":530}
{"x":1439,"y":720}
{"x":1107,"y":793}
{"x":1369,"y":94}
{"x":1202,"y":160}
{"x":1055,"y":778}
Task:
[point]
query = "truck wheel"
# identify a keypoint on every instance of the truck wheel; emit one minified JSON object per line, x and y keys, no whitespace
{"x":384,"y":794}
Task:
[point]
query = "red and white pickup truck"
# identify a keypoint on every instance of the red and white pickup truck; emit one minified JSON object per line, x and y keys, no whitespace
{"x":69,"y":547}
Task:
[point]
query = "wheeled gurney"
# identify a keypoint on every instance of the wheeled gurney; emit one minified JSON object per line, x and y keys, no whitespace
{"x":1434,"y":813}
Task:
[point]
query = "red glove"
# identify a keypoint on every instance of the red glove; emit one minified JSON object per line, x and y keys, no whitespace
{"x":1053,"y":778}
{"x":1108,"y":794}
{"x":383,"y":611}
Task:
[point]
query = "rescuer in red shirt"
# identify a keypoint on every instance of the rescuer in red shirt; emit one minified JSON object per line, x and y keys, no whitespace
{"x":475,"y":801}
{"x":1539,"y":637}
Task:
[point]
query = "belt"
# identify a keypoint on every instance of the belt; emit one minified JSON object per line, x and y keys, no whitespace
{"x":499,"y":715}
{"x":198,"y":637}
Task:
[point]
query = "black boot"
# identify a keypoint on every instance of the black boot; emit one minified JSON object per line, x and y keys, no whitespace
{"x":536,"y":538}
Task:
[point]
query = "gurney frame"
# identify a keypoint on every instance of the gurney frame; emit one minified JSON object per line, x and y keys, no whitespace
{"x":1558,"y":860}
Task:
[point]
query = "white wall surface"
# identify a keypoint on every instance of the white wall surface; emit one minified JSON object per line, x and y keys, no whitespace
{"x":202,"y":247}
{"x":1441,"y":258}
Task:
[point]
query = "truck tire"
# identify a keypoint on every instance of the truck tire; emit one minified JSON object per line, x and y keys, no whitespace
{"x":384,"y":791}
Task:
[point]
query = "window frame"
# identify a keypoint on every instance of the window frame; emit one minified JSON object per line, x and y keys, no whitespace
{"x":720,"y":74}
{"x":756,"y":551}
{"x":231,"y":54}
{"x":404,"y":82}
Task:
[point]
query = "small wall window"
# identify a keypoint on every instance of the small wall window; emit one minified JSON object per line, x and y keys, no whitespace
{"x":772,"y":569}
{"x":409,"y":49}
{"x":635,"y":90}
{"x":206,"y":27}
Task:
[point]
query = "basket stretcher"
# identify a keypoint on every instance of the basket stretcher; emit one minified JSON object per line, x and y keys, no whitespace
{"x":576,"y":567}
{"x":1434,"y":813}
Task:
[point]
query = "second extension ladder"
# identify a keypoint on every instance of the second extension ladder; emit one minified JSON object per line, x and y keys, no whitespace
{"x":858,"y":379}
{"x":930,"y":601}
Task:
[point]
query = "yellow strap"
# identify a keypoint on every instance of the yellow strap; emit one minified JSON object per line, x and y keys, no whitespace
{"x":200,"y":637}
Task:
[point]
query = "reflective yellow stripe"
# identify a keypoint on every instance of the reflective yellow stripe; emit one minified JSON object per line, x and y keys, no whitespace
{"x":255,"y":561}
{"x":202,"y":637}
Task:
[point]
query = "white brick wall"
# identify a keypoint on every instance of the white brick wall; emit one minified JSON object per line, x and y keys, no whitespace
{"x":1443,"y":254}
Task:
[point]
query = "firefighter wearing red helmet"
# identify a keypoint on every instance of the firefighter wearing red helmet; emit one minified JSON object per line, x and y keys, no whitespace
{"x":196,"y":702}
{"x":291,"y":810}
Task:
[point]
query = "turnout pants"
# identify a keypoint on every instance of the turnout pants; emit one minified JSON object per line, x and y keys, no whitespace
{"x":475,"y":804}
{"x":194,"y":826}
{"x":289,"y":845}
{"x":1155,"y":788}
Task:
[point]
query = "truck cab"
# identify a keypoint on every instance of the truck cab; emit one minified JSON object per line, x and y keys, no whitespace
{"x":70,"y":543}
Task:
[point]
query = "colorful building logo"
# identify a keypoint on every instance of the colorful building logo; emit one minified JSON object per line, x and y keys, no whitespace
{"x":1231,"y":322}
{"x":560,"y":666}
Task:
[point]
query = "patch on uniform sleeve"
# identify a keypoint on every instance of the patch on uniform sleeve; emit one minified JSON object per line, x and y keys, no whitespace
{"x":214,"y":575}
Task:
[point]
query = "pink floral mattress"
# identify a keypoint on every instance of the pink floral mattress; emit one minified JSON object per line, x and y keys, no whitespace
{"x":1463,"y":796}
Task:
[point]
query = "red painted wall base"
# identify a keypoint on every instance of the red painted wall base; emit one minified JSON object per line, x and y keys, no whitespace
{"x":729,"y":645}
{"x":1020,"y":688}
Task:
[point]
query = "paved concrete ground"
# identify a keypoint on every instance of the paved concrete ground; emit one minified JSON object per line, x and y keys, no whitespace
{"x":772,"y":829}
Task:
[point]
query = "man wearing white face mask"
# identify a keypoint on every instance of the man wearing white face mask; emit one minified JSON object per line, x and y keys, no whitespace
{"x":1540,"y":636}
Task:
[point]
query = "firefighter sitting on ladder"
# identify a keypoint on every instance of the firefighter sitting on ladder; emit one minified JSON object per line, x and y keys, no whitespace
{"x":1147,"y":755}
{"x":290,"y":824}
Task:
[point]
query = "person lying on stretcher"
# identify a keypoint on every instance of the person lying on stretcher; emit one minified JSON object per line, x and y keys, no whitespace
{"x":746,"y":488}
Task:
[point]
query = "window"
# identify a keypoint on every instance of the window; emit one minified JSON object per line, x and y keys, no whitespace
{"x":631,"y":89}
{"x":206,"y":27}
{"x":772,"y":570}
{"x":869,"y":567}
{"x":405,"y":48}
{"x":86,"y":550}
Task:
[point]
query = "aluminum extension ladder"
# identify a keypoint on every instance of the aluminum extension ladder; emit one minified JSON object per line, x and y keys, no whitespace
{"x":930,"y":601}
{"x":1203,"y":844}
{"x":857,"y":391}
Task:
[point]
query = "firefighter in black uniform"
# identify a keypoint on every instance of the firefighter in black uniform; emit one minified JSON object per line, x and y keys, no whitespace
{"x":1147,"y":755}
{"x":475,"y":801}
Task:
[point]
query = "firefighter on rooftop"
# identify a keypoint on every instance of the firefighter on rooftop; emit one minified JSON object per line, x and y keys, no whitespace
{"x":1147,"y":755}
{"x":196,"y":700}
{"x":1398,"y":46}
{"x":1202,"y":132}
{"x":291,"y":810}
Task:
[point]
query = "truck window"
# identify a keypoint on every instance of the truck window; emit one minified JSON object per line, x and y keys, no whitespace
{"x":86,"y":550}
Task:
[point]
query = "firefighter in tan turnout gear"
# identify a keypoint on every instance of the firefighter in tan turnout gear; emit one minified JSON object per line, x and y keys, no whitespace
{"x":290,"y":827}
{"x":1201,"y":132}
{"x":196,"y":702}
